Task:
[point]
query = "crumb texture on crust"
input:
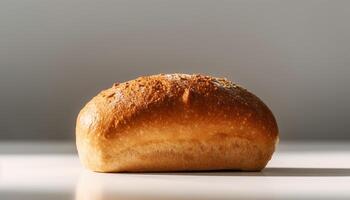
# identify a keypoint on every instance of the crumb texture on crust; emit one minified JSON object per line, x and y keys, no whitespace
{"x":172,"y":122}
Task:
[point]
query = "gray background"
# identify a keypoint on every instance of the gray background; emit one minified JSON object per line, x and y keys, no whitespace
{"x":56,"y":55}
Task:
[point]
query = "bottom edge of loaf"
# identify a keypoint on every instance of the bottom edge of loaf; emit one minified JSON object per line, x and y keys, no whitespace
{"x":179,"y":156}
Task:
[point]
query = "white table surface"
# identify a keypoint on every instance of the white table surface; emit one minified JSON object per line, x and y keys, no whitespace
{"x":52,"y":171}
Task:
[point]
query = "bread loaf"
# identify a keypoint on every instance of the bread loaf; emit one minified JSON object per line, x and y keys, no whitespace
{"x":175,"y":122}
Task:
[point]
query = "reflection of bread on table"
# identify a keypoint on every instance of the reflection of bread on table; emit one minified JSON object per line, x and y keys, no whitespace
{"x":89,"y":187}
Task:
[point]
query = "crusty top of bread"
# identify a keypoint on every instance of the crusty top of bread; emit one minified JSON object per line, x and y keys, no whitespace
{"x":171,"y":98}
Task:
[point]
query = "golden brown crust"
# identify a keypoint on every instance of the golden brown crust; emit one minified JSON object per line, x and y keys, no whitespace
{"x":172,"y":122}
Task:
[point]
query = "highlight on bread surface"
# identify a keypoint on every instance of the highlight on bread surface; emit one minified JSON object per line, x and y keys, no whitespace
{"x":175,"y":122}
